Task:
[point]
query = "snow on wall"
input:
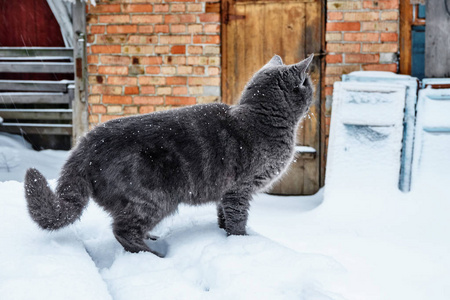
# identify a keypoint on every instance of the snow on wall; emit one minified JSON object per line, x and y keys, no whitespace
{"x":431,"y":163}
{"x":365,"y":137}
{"x":411,"y":84}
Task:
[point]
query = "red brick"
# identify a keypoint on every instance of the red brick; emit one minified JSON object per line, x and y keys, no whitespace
{"x":152,"y":70}
{"x":106,"y":89}
{"x":176,"y":80}
{"x":105,"y":8}
{"x":174,"y":60}
{"x":381,"y":4}
{"x":389,"y":15}
{"x":161,"y":28}
{"x":150,"y":60}
{"x":178,"y":7}
{"x":162,"y":49}
{"x":175,"y":39}
{"x":195,"y":28}
{"x":146,"y":109}
{"x":180,"y":100}
{"x":334,"y":58}
{"x":149,"y":100}
{"x":195,"y":7}
{"x":328,"y":91}
{"x":204,"y":80}
{"x":106,"y":49}
{"x":389,"y":37}
{"x":340,"y":69}
{"x":116,"y":99}
{"x":92,"y":59}
{"x":362,"y":58}
{"x":123,"y":80}
{"x":177,"y":28}
{"x":137,"y":8}
{"x":206,"y":39}
{"x":147,"y":89}
{"x":106,"y":118}
{"x":121,"y":29}
{"x":110,"y":39}
{"x":211,"y":17}
{"x":178,"y":50}
{"x":114,"y":19}
{"x":146,"y":19}
{"x":113,"y":70}
{"x":379,"y":26}
{"x":131,"y":90}
{"x":115,"y":60}
{"x":361,"y":37}
{"x":343,"y":26}
{"x":142,"y":39}
{"x":213,"y":71}
{"x":180,"y":0}
{"x":335,"y":16}
{"x":130,"y":110}
{"x":345,"y":48}
{"x":138,"y":49}
{"x":96,"y":29}
{"x":361,"y":16}
{"x":211,"y":28}
{"x":389,"y":47}
{"x":195,"y":50}
{"x":148,"y":80}
{"x":179,"y":18}
{"x":145,"y":28}
{"x":161,"y":7}
{"x":91,"y":19}
{"x":98,"y":109}
{"x":198,"y":71}
{"x":180,"y":90}
{"x":381,"y":67}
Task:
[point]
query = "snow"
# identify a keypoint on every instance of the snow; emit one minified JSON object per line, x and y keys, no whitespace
{"x":354,"y":245}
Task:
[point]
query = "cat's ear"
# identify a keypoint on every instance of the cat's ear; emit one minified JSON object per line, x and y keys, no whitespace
{"x":302,"y":66}
{"x":275,"y":61}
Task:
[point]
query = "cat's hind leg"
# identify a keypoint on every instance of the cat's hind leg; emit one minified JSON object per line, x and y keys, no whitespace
{"x":235,"y":212}
{"x":131,"y":227}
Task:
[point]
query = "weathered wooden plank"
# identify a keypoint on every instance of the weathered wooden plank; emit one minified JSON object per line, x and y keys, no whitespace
{"x":31,"y":128}
{"x":36,"y":114}
{"x":80,"y":92}
{"x":36,"y":67}
{"x":273,"y":31}
{"x":437,"y":34}
{"x":406,"y":14}
{"x":35,"y":51}
{"x":254,"y":48}
{"x":34,"y":98}
{"x":35,"y":86}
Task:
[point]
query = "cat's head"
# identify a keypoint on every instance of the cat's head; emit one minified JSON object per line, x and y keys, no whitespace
{"x":286,"y":84}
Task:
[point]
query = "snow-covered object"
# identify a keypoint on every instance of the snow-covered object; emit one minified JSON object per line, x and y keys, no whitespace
{"x":431,"y":163}
{"x":411,"y":84}
{"x":365,"y":137}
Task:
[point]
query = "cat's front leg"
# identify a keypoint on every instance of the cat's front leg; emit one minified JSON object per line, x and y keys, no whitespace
{"x":235,"y":212}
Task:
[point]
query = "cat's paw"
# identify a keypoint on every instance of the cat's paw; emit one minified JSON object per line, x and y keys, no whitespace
{"x":236,"y":232}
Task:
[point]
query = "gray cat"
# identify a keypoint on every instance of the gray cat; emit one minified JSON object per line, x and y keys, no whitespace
{"x":140,"y":168}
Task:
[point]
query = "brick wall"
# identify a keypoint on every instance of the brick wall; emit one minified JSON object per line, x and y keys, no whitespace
{"x":360,"y":35}
{"x":150,"y":55}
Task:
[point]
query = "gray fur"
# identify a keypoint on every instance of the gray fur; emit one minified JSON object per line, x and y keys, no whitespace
{"x":140,"y":168}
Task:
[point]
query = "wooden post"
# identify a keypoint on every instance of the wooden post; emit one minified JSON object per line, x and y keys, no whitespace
{"x":80,"y":104}
{"x":437,"y":40}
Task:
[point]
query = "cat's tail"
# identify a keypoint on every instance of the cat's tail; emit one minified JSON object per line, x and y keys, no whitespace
{"x":54,"y":210}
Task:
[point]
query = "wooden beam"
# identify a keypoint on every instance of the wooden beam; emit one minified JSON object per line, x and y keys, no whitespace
{"x":34,"y":86}
{"x":31,"y":128}
{"x":35,"y":51}
{"x":36,"y":67}
{"x":80,"y":91}
{"x":36,"y":114}
{"x":406,"y":15}
{"x":34,"y":98}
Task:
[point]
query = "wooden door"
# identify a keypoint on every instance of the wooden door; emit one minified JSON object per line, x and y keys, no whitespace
{"x":252,"y":32}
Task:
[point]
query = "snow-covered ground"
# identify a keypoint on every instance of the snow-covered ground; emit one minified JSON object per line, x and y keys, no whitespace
{"x":343,"y":245}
